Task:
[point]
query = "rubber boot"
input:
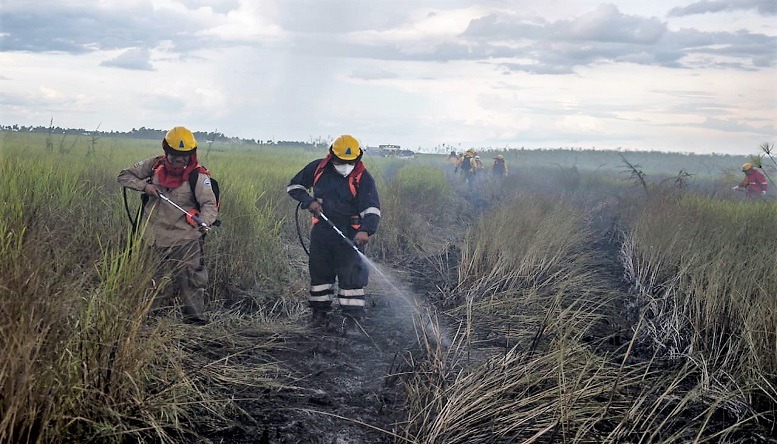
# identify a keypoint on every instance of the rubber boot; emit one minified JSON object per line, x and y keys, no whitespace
{"x":318,"y":319}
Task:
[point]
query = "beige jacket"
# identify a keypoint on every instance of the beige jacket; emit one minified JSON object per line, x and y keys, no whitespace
{"x":167,"y":225}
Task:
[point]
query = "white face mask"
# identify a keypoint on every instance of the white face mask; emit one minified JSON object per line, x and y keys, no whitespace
{"x":344,"y":169}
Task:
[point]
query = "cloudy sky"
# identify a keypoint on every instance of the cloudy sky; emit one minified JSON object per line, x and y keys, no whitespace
{"x":674,"y":75}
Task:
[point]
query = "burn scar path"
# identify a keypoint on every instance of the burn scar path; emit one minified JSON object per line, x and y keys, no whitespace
{"x":340,"y":390}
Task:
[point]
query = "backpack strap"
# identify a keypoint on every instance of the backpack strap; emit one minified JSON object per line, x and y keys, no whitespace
{"x":355,"y":177}
{"x":193,"y":177}
{"x":353,"y":183}
{"x":160,"y":160}
{"x":320,"y":168}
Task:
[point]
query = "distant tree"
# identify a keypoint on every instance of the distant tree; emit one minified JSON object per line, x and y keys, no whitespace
{"x":635,"y":173}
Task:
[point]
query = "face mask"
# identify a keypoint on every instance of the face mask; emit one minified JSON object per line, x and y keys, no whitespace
{"x":344,"y":169}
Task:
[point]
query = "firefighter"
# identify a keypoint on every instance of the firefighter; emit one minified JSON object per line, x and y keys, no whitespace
{"x":478,"y":164}
{"x":498,"y":172}
{"x":345,"y":192}
{"x":453,"y":158}
{"x":754,"y":184}
{"x":468,"y":166}
{"x":177,"y":239}
{"x":499,"y":167}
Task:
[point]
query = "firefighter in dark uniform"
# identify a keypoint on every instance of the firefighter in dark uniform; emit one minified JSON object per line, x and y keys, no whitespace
{"x":345,"y":192}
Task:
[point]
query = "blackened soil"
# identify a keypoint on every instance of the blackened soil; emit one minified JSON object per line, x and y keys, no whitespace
{"x":340,"y":387}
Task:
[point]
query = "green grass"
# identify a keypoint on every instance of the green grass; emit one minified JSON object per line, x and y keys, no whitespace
{"x":74,"y":299}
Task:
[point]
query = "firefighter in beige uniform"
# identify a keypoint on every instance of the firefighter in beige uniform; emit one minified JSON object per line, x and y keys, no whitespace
{"x":172,"y":234}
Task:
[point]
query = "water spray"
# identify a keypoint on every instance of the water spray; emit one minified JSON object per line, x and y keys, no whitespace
{"x":194,"y":217}
{"x":429,"y":325}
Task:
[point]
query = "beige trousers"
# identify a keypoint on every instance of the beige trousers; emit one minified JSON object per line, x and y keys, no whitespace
{"x":184,"y":265}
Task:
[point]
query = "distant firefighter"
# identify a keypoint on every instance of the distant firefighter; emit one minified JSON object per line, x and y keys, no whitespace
{"x":499,"y":167}
{"x":468,"y":166}
{"x":478,"y":163}
{"x":754,"y":184}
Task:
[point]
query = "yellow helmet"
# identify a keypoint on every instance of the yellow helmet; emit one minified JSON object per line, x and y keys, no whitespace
{"x":470,"y":152}
{"x":746,"y":166}
{"x":499,"y":156}
{"x":346,"y":148}
{"x":179,"y":141}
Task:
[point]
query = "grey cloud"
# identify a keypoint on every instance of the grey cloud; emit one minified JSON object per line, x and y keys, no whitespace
{"x":76,"y":30}
{"x":135,"y":59}
{"x":557,"y":47}
{"x":219,"y":6}
{"x":608,"y":35}
{"x":765,"y":7}
{"x":758,"y":48}
{"x":343,"y":16}
{"x":339,"y":16}
{"x":317,"y":27}
{"x":605,"y":24}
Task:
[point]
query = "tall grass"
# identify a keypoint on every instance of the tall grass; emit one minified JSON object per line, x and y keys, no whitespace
{"x":247,"y":249}
{"x":524,"y":286}
{"x":531,"y":361}
{"x":81,"y":360}
{"x":417,"y":198}
{"x":706,"y":276}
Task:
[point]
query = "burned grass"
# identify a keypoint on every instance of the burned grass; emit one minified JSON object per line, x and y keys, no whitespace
{"x":520,"y":330}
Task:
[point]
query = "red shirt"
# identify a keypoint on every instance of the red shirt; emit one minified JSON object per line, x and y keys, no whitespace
{"x":755,"y":182}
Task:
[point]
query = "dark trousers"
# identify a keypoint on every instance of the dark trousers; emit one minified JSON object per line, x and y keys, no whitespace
{"x":332,"y":261}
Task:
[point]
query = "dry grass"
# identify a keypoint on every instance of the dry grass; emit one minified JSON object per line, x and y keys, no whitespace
{"x":705,"y":276}
{"x":549,"y":377}
{"x":527,"y":359}
{"x":81,"y":360}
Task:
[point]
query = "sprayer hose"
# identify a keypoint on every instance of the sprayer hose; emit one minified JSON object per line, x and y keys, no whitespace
{"x":299,"y":230}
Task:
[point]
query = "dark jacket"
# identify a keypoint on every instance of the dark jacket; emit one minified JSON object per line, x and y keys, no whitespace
{"x":338,"y":203}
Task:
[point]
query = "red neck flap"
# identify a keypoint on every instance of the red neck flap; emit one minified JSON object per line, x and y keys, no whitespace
{"x":172,"y":176}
